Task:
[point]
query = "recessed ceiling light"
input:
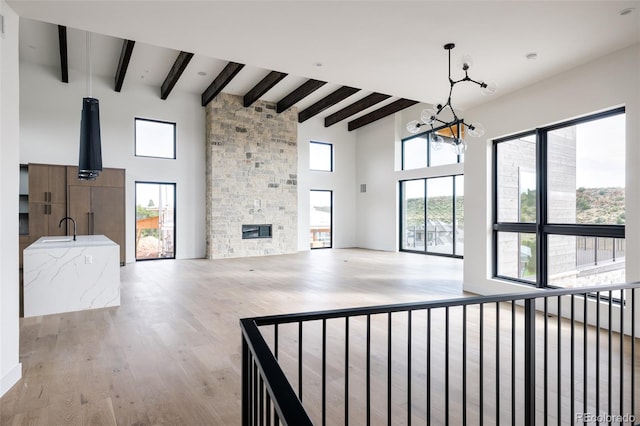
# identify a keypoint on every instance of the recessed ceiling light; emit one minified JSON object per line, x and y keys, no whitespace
{"x":202,"y":73}
{"x":531,"y":56}
{"x":626,"y":11}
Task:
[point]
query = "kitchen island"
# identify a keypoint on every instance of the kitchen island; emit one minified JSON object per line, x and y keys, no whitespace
{"x":63,"y":275}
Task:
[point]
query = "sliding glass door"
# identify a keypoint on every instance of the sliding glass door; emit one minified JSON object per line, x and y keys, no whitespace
{"x":155,"y":220}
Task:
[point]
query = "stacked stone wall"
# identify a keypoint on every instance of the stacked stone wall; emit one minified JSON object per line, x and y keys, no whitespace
{"x":251,"y":172}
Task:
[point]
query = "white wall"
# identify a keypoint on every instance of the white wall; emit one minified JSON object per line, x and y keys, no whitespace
{"x":379,"y":166}
{"x":10,"y":367}
{"x":50,"y":129}
{"x":377,"y":221}
{"x":600,"y":85}
{"x":342,"y":181}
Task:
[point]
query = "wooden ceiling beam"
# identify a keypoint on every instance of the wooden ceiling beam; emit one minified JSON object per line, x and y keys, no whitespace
{"x":123,"y":63}
{"x":174,"y":74}
{"x":304,"y":90}
{"x":328,"y":101}
{"x":224,"y":78}
{"x":386,"y":110}
{"x":64,"y":62}
{"x":354,"y":108}
{"x":262,"y":87}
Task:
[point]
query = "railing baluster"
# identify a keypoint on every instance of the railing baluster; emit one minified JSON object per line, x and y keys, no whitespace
{"x":268,"y":410}
{"x":446,"y":366}
{"x":255,"y":394}
{"x":324,"y":371}
{"x":300,"y":360}
{"x":585,"y":337}
{"x":346,"y":370}
{"x":559,"y":365}
{"x":428,"y":375}
{"x":261,"y":403}
{"x":597,"y":353}
{"x":368,"y":396}
{"x":498,"y":362}
{"x":573,"y":357}
{"x":246,"y":383}
{"x":481,"y":365}
{"x":546,"y":360}
{"x":513,"y":362}
{"x":409,"y":318}
{"x":530,"y":362}
{"x":621,"y":375}
{"x":633,"y":351}
{"x":464,"y":365}
{"x":275,"y":340}
{"x":610,"y":356}
{"x":389,"y":347}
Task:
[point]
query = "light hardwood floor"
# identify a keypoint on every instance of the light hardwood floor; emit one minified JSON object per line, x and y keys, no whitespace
{"x":170,"y":354}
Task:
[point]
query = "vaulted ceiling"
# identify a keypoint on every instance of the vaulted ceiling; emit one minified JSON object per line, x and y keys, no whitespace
{"x":350,"y":61}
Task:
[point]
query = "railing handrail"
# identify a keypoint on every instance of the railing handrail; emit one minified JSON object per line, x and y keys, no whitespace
{"x":433,"y":304}
{"x":285,"y":400}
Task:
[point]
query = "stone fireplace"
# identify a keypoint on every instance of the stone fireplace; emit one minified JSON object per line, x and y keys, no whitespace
{"x":251,"y":172}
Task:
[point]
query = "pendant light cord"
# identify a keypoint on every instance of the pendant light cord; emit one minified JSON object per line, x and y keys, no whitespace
{"x":89,"y":86}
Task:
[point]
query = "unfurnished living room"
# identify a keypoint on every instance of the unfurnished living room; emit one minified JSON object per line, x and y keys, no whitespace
{"x":319,"y":212}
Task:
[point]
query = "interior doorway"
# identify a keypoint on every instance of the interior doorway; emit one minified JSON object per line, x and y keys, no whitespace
{"x":155,"y":220}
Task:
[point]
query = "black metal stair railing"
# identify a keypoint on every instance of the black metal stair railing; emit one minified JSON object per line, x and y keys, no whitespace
{"x":503,"y":359}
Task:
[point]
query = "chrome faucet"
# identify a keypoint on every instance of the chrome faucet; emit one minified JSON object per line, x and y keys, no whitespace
{"x":74,"y":225}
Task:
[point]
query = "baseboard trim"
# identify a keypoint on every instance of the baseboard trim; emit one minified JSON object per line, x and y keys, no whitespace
{"x":11,"y":378}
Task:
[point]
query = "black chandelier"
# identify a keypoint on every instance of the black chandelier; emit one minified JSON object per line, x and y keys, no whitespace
{"x":431,"y":116}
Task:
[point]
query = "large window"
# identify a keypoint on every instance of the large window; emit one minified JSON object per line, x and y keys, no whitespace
{"x":559,"y":203}
{"x":429,"y":149}
{"x":432,"y":215}
{"x":155,"y":138}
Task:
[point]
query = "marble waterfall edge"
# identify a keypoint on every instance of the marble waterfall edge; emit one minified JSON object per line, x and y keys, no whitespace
{"x":63,"y":275}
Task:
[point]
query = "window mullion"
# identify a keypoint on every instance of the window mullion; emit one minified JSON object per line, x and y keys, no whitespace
{"x":541,"y":208}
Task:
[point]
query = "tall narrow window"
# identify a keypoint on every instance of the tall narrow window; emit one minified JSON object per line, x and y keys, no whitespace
{"x":560,"y":203}
{"x":321,"y":156}
{"x":320,"y":218}
{"x":155,"y":220}
{"x":155,"y":138}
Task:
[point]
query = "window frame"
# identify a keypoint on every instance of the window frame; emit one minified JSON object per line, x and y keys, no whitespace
{"x":330,"y":191}
{"x":135,"y":218}
{"x":427,"y":134}
{"x":542,"y":229}
{"x":426,"y":212}
{"x":331,"y":160}
{"x":151,"y":120}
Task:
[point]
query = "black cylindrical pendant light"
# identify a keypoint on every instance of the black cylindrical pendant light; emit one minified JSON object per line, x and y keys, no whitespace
{"x":90,"y":162}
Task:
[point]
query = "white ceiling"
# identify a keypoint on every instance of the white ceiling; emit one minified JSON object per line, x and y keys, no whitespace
{"x":391,"y":47}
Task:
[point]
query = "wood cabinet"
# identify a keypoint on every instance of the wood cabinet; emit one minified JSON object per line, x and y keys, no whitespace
{"x":98,"y":206}
{"x":47,"y":200}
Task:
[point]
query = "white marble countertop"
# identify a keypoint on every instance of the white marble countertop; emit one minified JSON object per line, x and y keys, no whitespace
{"x":68,"y":242}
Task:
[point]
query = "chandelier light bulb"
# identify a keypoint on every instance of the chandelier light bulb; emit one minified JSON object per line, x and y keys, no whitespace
{"x":476,"y":130}
{"x":436,"y":141}
{"x":459,"y":146}
{"x":465,"y":62}
{"x":413,"y":126}
{"x":488,"y":87}
{"x":428,"y":116}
